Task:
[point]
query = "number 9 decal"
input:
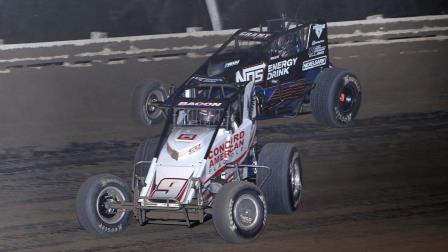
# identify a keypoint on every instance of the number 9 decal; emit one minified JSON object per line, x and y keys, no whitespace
{"x":169,"y":188}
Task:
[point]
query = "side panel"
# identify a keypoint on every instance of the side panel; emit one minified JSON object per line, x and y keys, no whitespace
{"x":232,"y":148}
{"x":317,"y":49}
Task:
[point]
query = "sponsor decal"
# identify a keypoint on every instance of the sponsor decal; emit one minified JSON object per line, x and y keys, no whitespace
{"x":351,"y":79}
{"x":280,"y":68}
{"x":275,"y":57}
{"x":252,"y":73}
{"x":194,"y":149}
{"x":341,"y":117}
{"x":316,"y":51}
{"x":254,"y":35}
{"x":317,"y":42}
{"x":318,"y":29}
{"x":232,"y":63}
{"x":200,"y":104}
{"x":208,"y":80}
{"x":110,"y":230}
{"x":310,"y":64}
{"x":226,"y":150}
{"x":186,"y":137}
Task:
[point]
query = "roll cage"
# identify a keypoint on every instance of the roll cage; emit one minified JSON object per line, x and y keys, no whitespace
{"x":265,"y":36}
{"x":227,"y":104}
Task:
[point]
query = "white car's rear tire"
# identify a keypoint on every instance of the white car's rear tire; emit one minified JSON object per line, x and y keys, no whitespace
{"x":145,"y":152}
{"x":283,"y":189}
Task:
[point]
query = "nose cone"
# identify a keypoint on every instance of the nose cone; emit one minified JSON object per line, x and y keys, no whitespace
{"x":188,"y":142}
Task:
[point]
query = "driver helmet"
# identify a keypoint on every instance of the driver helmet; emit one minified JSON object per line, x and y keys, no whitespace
{"x":283,"y":45}
{"x":208,"y":117}
{"x":287,"y":45}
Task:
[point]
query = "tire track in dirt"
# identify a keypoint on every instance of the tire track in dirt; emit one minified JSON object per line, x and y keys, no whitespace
{"x":390,"y":185}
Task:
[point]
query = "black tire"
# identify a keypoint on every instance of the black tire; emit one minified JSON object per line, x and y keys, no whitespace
{"x":283,"y":189}
{"x":336,"y":97}
{"x":231,"y":223}
{"x":90,"y":209}
{"x":145,"y":152}
{"x":142,"y":97}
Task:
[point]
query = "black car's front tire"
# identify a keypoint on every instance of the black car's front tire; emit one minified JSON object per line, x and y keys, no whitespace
{"x":143,"y":98}
{"x":336,"y":97}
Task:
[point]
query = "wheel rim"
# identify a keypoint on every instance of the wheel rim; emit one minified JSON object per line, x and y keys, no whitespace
{"x":246,"y":212}
{"x":347,"y":99}
{"x":295,"y":179}
{"x":108,"y":195}
{"x":152,"y":112}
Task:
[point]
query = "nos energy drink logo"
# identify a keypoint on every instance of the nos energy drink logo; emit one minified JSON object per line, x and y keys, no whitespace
{"x":252,"y":73}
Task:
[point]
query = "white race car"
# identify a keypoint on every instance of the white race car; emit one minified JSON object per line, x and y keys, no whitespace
{"x":204,"y":165}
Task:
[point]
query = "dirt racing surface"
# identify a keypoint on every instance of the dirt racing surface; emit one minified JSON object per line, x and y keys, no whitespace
{"x":380,"y":185}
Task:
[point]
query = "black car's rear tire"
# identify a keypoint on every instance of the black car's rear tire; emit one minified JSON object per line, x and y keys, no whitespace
{"x":283,"y":189}
{"x":336,"y":97}
{"x":145,"y":152}
{"x":239,"y":212}
{"x":92,"y":211}
{"x":143,"y":98}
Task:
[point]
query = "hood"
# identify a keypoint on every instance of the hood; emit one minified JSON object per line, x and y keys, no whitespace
{"x":226,"y":64}
{"x":186,"y":145}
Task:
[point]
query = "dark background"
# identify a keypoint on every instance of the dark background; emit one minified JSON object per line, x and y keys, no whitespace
{"x":48,"y":20}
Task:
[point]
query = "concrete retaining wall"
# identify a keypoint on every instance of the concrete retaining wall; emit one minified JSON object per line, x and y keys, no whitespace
{"x":196,"y":44}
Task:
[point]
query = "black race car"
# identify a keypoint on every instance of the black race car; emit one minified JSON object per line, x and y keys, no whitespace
{"x":290,"y":66}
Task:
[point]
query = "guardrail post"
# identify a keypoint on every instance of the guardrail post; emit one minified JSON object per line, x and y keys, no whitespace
{"x":213,"y":12}
{"x":373,"y":17}
{"x":98,"y":35}
{"x":194,"y":29}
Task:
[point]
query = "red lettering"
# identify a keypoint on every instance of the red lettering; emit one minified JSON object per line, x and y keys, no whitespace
{"x":225,"y":150}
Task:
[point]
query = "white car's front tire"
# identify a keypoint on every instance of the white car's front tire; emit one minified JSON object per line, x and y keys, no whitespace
{"x":239,"y":212}
{"x":92,"y":209}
